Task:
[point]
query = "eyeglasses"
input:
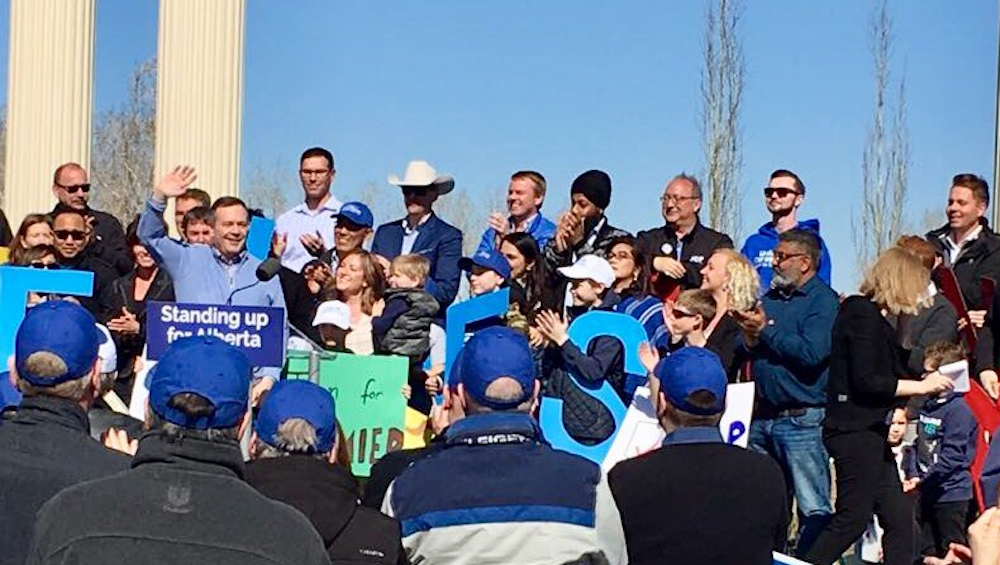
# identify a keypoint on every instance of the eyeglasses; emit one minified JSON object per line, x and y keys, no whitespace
{"x":40,"y":265}
{"x":678,"y":313}
{"x":780,"y":257}
{"x":314,"y":172}
{"x":778,"y":191}
{"x":415,"y":190}
{"x":620,"y":255}
{"x":78,"y":235}
{"x":676,"y":199}
{"x":74,"y":188}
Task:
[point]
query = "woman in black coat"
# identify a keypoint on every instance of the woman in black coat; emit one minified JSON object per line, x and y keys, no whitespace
{"x":866,"y":363}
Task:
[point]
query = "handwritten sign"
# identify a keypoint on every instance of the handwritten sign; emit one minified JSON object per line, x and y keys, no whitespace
{"x":371,"y":408}
{"x":256,"y":330}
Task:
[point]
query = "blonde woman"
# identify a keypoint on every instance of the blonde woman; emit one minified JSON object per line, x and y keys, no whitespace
{"x":735,"y":285}
{"x":359,"y":283}
{"x":866,"y":363}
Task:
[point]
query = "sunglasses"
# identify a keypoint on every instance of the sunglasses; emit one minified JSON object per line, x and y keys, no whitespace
{"x":778,"y":191}
{"x":74,"y":188}
{"x":415,"y":190}
{"x":40,"y":265}
{"x":77,"y":235}
{"x":678,"y":313}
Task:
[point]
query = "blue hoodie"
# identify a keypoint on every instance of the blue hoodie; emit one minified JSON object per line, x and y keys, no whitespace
{"x":759,"y":248}
{"x":945,"y":449}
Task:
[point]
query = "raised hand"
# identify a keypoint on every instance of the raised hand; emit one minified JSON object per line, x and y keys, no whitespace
{"x":279,"y":242}
{"x":313,"y":242}
{"x":176,"y":182}
{"x":552,"y":327}
{"x":648,"y":356}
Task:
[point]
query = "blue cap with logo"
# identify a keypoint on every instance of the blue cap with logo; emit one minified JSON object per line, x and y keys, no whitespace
{"x":208,"y":367}
{"x":64,"y":329}
{"x":494,"y":353}
{"x":298,"y":399}
{"x":356,"y":213}
{"x":492,"y":260}
{"x":689,"y":370}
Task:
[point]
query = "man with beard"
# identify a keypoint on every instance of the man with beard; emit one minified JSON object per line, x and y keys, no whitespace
{"x":788,"y":339}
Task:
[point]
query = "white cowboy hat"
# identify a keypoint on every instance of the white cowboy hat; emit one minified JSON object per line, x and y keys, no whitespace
{"x":421,"y":173}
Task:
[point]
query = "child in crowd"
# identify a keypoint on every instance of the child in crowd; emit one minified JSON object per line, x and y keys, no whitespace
{"x":687,"y":318}
{"x":333,"y":321}
{"x":943,"y":454}
{"x":197,"y":225}
{"x":403,"y":324}
{"x":869,"y":547}
{"x":487,"y":272}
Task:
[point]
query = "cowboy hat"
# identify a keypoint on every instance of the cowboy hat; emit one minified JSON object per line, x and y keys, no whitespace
{"x":421,"y":173}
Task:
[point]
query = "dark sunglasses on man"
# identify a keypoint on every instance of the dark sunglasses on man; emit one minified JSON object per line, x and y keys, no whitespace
{"x":63,"y":235}
{"x":415,"y":190}
{"x":778,"y":191}
{"x":74,"y":188}
{"x":41,"y":265}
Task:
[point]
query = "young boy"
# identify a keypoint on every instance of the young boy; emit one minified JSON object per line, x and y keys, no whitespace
{"x":333,"y":322}
{"x":689,"y":316}
{"x":487,"y":272}
{"x":404,"y":325}
{"x":944,"y":450}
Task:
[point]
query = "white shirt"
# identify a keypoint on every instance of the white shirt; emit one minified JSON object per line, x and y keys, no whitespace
{"x":955,"y":249}
{"x":410,"y":234}
{"x":301,"y":220}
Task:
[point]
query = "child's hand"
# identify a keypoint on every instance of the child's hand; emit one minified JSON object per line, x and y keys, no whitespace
{"x":433,"y":384}
{"x":910,"y":485}
{"x":407,"y":391}
{"x":378,"y":308}
{"x":648,"y":356}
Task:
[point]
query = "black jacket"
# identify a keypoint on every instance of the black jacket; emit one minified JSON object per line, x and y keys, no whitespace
{"x":108,"y":242}
{"x":328,"y":496}
{"x":709,"y":503}
{"x":391,"y":465}
{"x":104,"y":277}
{"x":866,"y":363}
{"x":979,"y":259}
{"x":300,"y":303}
{"x":937,"y":323}
{"x":6,"y":236}
{"x":695,"y":248}
{"x":44,"y":449}
{"x":597,"y":240}
{"x":119,"y":295}
{"x":183,"y":501}
{"x":725,"y":342}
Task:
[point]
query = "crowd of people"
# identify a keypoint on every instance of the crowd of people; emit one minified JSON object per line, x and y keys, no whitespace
{"x":860,"y":420}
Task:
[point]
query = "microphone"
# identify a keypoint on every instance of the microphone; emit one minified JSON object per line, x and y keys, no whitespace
{"x":268,"y":269}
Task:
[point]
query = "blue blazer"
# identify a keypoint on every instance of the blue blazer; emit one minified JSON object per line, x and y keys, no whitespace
{"x":439,"y":242}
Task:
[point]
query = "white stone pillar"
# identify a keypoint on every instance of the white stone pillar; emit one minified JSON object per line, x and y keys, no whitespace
{"x":49,"y":98}
{"x":199,"y":91}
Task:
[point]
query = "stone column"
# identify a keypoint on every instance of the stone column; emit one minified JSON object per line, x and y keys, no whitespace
{"x":199,"y":95}
{"x":49,"y":98}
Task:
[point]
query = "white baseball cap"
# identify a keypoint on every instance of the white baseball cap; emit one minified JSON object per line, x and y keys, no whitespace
{"x":590,"y":267}
{"x":333,"y":312}
{"x":107,"y":352}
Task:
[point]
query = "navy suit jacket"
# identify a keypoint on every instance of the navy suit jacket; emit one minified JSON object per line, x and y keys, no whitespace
{"x":439,"y":242}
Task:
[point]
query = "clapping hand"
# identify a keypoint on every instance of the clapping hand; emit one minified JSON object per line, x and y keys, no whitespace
{"x":648,"y":356}
{"x":313,"y":242}
{"x":279,"y":242}
{"x":176,"y":182}
{"x":552,"y":327}
{"x":126,"y":323}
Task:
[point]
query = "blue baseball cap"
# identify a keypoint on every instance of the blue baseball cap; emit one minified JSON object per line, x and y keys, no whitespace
{"x":492,"y":260}
{"x":356,"y":213}
{"x":688,"y":370}
{"x":208,"y":367}
{"x":66,"y":330}
{"x":298,"y":399}
{"x":493,"y":353}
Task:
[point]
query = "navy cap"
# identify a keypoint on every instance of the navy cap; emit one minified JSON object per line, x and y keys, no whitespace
{"x":356,"y":213}
{"x":493,"y":353}
{"x":208,"y":367}
{"x":64,"y":329}
{"x":298,"y":399}
{"x":689,"y":370}
{"x":494,"y":261}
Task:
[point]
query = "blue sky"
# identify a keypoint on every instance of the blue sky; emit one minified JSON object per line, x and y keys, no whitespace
{"x":481,"y":89}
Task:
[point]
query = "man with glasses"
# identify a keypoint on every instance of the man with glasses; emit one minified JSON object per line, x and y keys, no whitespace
{"x":788,"y":339}
{"x":783,"y":195}
{"x":71,"y":187}
{"x":678,"y":249}
{"x":73,"y":251}
{"x":309,"y":226}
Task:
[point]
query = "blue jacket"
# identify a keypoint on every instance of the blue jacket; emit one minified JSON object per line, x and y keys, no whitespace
{"x":498,"y":493}
{"x":541,"y":228}
{"x":792,"y":357}
{"x":439,"y":242}
{"x":990,"y":477}
{"x":759,"y":248}
{"x":945,"y":448}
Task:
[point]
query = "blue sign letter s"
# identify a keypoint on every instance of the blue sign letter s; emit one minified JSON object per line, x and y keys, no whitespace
{"x":584,"y":329}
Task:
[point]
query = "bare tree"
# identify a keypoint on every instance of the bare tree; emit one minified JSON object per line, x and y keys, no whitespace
{"x":265,"y":188}
{"x":886,"y":156}
{"x":722,"y":81}
{"x":122,"y":150}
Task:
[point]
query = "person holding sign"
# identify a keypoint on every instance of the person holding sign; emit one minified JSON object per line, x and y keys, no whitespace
{"x":534,"y":505}
{"x":295,"y":446}
{"x":187,"y":501}
{"x":223,"y":273}
{"x":710,"y":502}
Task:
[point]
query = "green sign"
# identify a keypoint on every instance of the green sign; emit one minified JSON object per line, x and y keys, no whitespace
{"x":371,"y":408}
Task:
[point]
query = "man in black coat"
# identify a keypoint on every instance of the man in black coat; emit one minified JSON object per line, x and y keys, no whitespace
{"x":185,"y":499}
{"x":47,"y":447}
{"x":295,"y":447}
{"x":74,"y":251}
{"x":71,"y":187}
{"x":711,"y":502}
{"x":679,"y":249}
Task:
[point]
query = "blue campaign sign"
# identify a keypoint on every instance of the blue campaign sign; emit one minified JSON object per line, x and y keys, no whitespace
{"x":17,"y":282}
{"x":259,"y":237}
{"x":257,"y":331}
{"x":464,"y":313}
{"x":584,"y":329}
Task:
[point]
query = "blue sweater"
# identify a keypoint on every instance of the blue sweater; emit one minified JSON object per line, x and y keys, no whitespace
{"x":759,"y":248}
{"x":945,"y":448}
{"x":792,"y":357}
{"x":541,"y":228}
